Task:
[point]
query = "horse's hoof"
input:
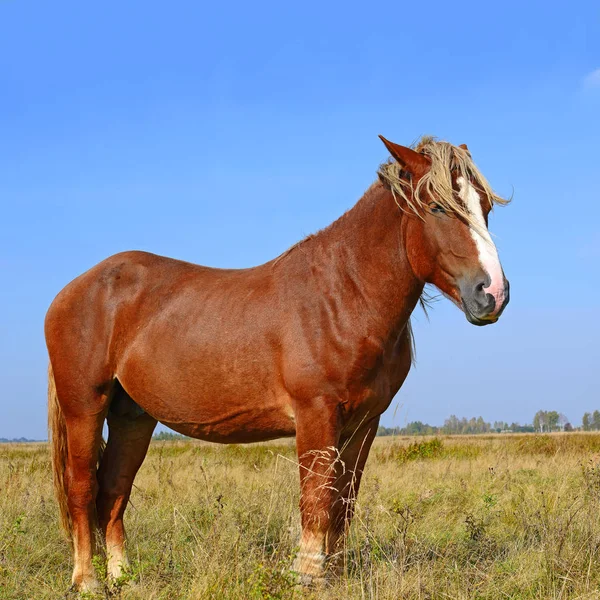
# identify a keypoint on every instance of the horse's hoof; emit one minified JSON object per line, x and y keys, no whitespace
{"x":304,"y":580}
{"x":91,"y":588}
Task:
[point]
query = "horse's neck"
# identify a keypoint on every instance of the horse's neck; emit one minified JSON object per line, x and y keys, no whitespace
{"x":363,"y":256}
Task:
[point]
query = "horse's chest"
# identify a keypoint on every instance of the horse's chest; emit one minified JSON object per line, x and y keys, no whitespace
{"x":373,"y":393}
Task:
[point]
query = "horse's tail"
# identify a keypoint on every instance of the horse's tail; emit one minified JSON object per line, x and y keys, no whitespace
{"x":57,"y":429}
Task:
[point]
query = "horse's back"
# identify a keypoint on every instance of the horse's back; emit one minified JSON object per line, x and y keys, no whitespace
{"x":134,"y":278}
{"x":133,"y":290}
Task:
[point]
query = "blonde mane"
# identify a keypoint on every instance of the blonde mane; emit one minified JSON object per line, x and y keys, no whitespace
{"x":437,"y":182}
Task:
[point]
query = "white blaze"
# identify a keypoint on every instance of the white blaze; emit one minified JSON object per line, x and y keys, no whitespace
{"x":488,"y":255}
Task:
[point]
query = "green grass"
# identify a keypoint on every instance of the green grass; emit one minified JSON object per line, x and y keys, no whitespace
{"x":481,"y":517}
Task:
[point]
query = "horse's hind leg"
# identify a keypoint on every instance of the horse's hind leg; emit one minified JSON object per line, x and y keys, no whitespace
{"x":84,"y":435}
{"x":129,"y":434}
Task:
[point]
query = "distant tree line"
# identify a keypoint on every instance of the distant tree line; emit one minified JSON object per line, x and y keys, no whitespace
{"x":545,"y":421}
{"x":455,"y":426}
{"x":169,"y":436}
{"x":591,"y":421}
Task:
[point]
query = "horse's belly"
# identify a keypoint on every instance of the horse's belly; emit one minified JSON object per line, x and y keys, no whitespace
{"x":220,"y":414}
{"x":229,"y":398}
{"x":238,"y":425}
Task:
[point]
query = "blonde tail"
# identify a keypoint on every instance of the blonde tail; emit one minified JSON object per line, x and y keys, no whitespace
{"x":57,"y":430}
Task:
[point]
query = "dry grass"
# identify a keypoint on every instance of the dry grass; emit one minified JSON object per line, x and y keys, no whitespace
{"x":499,"y":516}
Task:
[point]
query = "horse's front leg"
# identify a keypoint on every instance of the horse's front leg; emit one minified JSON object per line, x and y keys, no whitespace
{"x":354,"y":451}
{"x":317,"y":438}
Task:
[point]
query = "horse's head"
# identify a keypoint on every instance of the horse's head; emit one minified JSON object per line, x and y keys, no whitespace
{"x":447,"y":240}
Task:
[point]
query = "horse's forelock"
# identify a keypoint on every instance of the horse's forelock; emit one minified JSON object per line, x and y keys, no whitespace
{"x":446,"y":160}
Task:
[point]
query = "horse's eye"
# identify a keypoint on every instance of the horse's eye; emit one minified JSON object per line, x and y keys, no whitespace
{"x":437,"y":209}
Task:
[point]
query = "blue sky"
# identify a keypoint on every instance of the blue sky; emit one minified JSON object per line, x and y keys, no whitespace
{"x":223,"y":133}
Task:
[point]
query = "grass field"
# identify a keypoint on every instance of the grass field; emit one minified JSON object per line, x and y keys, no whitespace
{"x":495,"y":516}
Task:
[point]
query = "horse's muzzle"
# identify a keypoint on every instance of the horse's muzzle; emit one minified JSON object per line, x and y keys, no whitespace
{"x":480,"y":307}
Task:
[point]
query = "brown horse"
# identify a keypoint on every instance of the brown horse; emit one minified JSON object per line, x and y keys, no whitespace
{"x":314,"y":344}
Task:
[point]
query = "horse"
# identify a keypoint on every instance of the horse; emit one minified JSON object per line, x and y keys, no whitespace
{"x":313,"y":344}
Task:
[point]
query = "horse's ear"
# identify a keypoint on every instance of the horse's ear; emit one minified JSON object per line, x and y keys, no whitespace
{"x":411,"y":161}
{"x":464,"y":147}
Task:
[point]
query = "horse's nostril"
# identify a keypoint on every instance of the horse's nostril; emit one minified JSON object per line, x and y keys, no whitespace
{"x":485,"y":302}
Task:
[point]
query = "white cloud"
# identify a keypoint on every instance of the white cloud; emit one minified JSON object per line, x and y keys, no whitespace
{"x":592,"y":80}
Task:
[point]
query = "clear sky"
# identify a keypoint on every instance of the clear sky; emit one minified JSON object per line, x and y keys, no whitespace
{"x":221,"y":133}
